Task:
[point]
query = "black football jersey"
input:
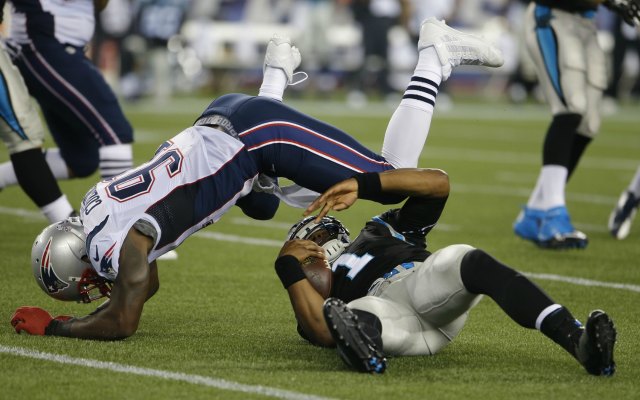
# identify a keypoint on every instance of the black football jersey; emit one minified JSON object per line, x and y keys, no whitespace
{"x":389,"y":240}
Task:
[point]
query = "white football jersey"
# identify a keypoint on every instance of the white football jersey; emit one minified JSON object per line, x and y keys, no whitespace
{"x":189,"y":184}
{"x":73,"y":20}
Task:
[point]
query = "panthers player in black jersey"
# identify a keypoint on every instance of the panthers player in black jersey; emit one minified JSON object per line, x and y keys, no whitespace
{"x":404,"y":300}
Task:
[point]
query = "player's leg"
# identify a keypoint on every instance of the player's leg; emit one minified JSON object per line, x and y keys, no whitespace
{"x":22,"y":132}
{"x":280,"y":60}
{"x":440,"y":49}
{"x":288,"y":143}
{"x":77,"y":102}
{"x":626,"y":208}
{"x":423,"y":311}
{"x":530,"y":307}
{"x":555,"y":42}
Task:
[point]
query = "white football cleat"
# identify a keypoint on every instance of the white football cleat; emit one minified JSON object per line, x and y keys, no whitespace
{"x":281,"y":54}
{"x":457,"y":48}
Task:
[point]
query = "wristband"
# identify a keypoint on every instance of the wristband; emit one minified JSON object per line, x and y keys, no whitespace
{"x":58,"y":328}
{"x":50,"y":330}
{"x":289,"y":270}
{"x":369,"y":186}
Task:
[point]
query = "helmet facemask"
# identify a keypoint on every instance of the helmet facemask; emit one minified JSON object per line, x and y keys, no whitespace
{"x":328,"y":233}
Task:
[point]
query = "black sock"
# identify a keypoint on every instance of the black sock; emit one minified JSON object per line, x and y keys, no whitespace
{"x":580,"y":143}
{"x":520,"y":298}
{"x":561,"y":327}
{"x":558,"y":143}
{"x":35,"y":177}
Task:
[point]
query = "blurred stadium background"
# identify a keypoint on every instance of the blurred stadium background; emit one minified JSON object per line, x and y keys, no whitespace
{"x":162,"y":48}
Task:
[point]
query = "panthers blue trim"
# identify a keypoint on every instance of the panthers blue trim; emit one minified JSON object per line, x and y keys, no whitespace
{"x":393,"y":232}
{"x":548,"y":45}
{"x":6,"y":109}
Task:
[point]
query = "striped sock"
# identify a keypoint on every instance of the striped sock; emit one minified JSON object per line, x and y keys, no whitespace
{"x":421,"y":93}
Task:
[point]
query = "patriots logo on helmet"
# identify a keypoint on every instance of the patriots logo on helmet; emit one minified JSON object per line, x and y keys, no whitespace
{"x":48,"y":275}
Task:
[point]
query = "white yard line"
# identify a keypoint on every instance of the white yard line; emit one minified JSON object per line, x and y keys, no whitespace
{"x":161,"y":374}
{"x":225,"y":237}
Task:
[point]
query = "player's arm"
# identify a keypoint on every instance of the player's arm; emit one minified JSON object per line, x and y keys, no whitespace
{"x":305,"y":300}
{"x":413,"y":182}
{"x":118,"y":318}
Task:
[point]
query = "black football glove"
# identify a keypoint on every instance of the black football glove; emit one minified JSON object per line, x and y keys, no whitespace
{"x":629,"y":10}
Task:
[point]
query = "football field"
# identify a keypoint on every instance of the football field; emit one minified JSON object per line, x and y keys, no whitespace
{"x":221,"y":325}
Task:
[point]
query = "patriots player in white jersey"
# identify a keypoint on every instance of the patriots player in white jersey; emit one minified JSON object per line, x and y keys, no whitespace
{"x":404,"y":300}
{"x":232,"y":155}
{"x":561,"y":37}
{"x":47,"y":43}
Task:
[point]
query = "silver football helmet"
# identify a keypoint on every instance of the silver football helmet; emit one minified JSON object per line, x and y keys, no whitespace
{"x":328,"y":233}
{"x":58,"y":265}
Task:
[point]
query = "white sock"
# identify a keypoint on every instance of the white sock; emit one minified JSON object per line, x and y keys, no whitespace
{"x":409,"y":126}
{"x":57,"y":210}
{"x":7,"y":175}
{"x":634,"y":186}
{"x":554,"y":179}
{"x":115,"y":159}
{"x":274,"y":82}
{"x":429,"y":65}
{"x":535,"y":199}
{"x":56,"y":163}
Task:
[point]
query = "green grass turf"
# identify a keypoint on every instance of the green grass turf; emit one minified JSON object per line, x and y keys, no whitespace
{"x":222,"y":313}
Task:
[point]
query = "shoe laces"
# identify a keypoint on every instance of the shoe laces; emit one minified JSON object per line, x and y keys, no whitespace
{"x":298,"y":77}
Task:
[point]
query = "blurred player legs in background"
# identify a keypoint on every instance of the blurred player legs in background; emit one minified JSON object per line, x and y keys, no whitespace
{"x":22,"y":132}
{"x":625,"y":210}
{"x":572,"y":72}
{"x":81,"y":110}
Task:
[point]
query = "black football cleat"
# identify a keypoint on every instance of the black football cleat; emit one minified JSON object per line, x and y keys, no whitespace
{"x":595,"y":346}
{"x":355,"y":347}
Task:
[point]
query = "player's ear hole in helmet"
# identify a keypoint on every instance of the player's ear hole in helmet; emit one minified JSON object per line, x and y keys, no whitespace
{"x":60,"y":265}
{"x":328,"y":233}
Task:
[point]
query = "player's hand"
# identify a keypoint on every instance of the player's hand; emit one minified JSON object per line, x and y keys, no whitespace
{"x":63,"y":317}
{"x":302,"y":249}
{"x":338,"y":197}
{"x":32,"y":320}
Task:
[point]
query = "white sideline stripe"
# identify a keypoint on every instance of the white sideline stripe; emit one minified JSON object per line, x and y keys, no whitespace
{"x":157,"y":373}
{"x":584,"y":282}
{"x":549,"y":277}
{"x":19,"y":212}
{"x":224,"y":237}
